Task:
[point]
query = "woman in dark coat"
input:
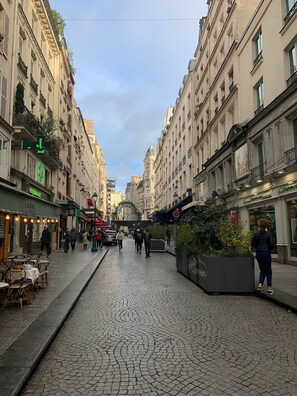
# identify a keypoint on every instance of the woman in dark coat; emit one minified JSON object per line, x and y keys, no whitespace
{"x":262,"y":241}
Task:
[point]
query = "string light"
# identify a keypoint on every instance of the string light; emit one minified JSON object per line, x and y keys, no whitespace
{"x":17,"y":218}
{"x":38,"y":220}
{"x":7,"y":217}
{"x":31,"y":220}
{"x":25,"y":220}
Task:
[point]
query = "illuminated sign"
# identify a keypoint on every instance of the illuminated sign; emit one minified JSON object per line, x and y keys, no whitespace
{"x":40,"y":173}
{"x":34,"y":192}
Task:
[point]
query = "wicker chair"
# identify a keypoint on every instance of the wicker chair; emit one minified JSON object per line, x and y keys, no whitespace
{"x":19,"y":290}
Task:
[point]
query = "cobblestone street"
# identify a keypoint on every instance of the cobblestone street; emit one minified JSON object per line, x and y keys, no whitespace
{"x":141,"y":328}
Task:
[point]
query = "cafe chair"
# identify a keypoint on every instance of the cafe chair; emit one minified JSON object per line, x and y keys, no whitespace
{"x":43,"y":272}
{"x":19,"y":290}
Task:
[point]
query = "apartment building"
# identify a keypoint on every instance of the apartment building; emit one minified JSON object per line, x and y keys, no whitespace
{"x":40,"y":130}
{"x":132,"y":195}
{"x":174,"y":161}
{"x":252,"y":165}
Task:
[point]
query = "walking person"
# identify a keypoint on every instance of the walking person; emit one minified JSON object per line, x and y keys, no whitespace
{"x":120,"y":237}
{"x":134,"y":237}
{"x":85,"y":236}
{"x":147,"y":243}
{"x":262,"y":241}
{"x":46,"y":240}
{"x":168,"y":236}
{"x":67,"y":239}
{"x":138,"y":240}
{"x":99,"y":239}
{"x":73,"y":237}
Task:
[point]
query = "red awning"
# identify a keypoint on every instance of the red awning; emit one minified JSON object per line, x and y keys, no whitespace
{"x":90,"y":202}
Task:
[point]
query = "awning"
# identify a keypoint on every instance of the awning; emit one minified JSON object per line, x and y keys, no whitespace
{"x":14,"y":200}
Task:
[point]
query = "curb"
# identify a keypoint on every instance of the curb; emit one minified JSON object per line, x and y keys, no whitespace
{"x":20,"y":359}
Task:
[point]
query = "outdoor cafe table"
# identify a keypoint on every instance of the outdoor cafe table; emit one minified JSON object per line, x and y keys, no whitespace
{"x":32,"y":273}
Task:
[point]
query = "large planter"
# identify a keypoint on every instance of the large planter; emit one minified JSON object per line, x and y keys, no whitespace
{"x":158,"y":245}
{"x":216,"y":274}
{"x":181,"y":259}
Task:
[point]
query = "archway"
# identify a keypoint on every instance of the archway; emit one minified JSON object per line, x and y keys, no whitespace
{"x":130,"y":205}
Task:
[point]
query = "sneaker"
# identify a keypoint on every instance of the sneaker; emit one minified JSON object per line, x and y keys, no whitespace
{"x":270,"y":291}
{"x":259,"y":289}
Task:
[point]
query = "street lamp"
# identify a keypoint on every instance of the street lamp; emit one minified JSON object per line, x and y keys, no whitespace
{"x":94,"y":246}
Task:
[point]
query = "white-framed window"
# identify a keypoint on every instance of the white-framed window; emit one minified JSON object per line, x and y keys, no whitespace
{"x":290,"y":4}
{"x":257,"y":47}
{"x":3,"y":91}
{"x":4,"y":30}
{"x":3,"y":150}
{"x":292,"y":58}
{"x":259,"y":96}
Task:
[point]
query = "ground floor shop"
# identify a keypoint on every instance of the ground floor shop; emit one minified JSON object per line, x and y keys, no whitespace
{"x":22,"y":220}
{"x":277,"y":203}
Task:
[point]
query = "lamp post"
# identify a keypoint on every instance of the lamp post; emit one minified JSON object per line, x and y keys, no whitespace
{"x":94,"y":245}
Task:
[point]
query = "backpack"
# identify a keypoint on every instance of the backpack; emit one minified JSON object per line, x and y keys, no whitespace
{"x":138,"y":235}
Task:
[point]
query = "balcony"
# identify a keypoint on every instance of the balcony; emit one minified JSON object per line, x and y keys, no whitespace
{"x":25,"y":125}
{"x":184,"y":159}
{"x":259,"y":109}
{"x":33,"y":84}
{"x":189,"y":152}
{"x":291,"y":13}
{"x":49,"y":112}
{"x":291,"y":156}
{"x":22,"y":66}
{"x":292,"y":79}
{"x":42,"y":100}
{"x":257,"y":173}
{"x":258,"y":58}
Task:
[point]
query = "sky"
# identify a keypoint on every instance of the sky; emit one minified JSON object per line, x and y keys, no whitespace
{"x":130,"y":58}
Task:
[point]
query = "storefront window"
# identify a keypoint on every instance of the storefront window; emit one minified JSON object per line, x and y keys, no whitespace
{"x":265,"y":212}
{"x":292,"y":213}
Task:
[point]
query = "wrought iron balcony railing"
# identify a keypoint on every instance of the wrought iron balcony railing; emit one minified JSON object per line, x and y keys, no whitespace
{"x":22,"y":65}
{"x":258,"y":172}
{"x":291,"y":156}
{"x":33,"y":84}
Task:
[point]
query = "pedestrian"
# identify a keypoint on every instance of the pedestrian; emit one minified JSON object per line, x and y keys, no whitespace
{"x":119,"y":237}
{"x":99,"y":239}
{"x":73,"y":236}
{"x":138,"y":240}
{"x":147,"y":236}
{"x":168,"y":236}
{"x":134,"y":237}
{"x":85,"y":237}
{"x":46,"y":240}
{"x":67,"y":239}
{"x":262,"y":241}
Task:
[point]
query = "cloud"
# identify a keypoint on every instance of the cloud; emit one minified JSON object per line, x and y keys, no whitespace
{"x":130,"y":58}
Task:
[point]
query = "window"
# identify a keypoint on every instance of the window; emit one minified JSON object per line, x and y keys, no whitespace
{"x":259,"y":96}
{"x":31,"y":167}
{"x":291,"y":9}
{"x":292,"y":62}
{"x":3,"y":150}
{"x":257,"y":44}
{"x":4,"y":29}
{"x":230,"y":36}
{"x":3,"y":90}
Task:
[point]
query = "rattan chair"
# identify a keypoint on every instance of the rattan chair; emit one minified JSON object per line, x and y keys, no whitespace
{"x":19,"y":290}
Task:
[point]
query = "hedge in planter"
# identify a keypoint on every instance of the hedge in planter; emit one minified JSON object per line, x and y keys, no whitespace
{"x":219,"y":258}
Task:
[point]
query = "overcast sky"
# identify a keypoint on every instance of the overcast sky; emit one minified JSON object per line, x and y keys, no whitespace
{"x":130,"y":58}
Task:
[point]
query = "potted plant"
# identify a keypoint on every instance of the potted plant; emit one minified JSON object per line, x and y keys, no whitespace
{"x":157,"y":240}
{"x":218,"y":256}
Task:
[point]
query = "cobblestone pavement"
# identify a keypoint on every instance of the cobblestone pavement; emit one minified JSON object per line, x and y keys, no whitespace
{"x":141,"y":328}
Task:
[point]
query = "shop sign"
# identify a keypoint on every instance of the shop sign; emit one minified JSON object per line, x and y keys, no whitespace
{"x":34,"y":192}
{"x":286,"y":189}
{"x":256,"y":198}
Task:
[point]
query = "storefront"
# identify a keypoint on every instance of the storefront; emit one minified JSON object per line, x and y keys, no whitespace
{"x":25,"y":216}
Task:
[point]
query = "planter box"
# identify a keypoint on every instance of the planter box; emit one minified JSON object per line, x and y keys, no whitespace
{"x":158,"y":245}
{"x":217,"y":274}
{"x":181,"y":259}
